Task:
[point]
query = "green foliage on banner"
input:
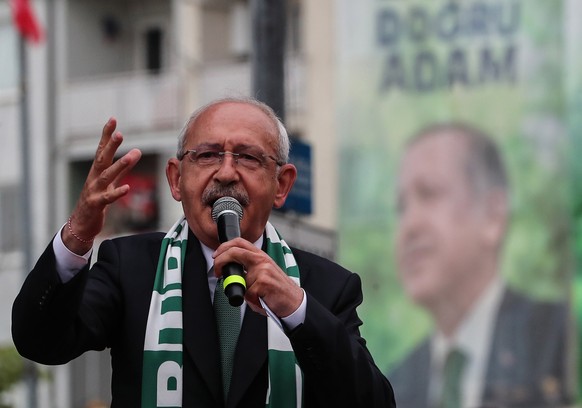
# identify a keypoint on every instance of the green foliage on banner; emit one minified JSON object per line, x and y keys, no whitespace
{"x":11,"y":371}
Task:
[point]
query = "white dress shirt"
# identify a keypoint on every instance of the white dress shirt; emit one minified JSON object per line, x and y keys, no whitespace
{"x":473,"y":338}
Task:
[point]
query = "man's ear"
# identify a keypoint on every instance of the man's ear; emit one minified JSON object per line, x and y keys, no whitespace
{"x":285,"y":178}
{"x":498,"y":214}
{"x":173,"y":176}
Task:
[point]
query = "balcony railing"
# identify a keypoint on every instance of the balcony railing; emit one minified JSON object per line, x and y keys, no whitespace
{"x":139,"y":101}
{"x":145,"y":102}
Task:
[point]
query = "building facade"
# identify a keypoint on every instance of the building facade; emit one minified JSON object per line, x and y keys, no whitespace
{"x":149,"y":63}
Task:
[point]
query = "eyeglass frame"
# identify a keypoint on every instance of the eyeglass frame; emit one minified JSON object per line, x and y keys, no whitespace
{"x":234,"y":155}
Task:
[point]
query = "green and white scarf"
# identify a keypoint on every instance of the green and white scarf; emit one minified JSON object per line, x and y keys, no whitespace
{"x":163,"y":348}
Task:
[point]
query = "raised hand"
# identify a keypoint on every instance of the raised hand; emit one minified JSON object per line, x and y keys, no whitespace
{"x":101,"y":189}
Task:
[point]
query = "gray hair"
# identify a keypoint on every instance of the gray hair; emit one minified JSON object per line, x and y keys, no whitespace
{"x":283,"y":145}
{"x":484,"y":164}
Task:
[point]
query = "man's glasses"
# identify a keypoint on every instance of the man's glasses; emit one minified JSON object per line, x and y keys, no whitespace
{"x":248,"y":158}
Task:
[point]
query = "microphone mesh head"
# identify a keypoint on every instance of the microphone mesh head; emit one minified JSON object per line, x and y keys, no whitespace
{"x":226,"y":204}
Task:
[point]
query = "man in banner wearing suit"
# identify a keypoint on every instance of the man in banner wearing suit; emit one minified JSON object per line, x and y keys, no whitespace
{"x":492,"y":346}
{"x":153,"y":298}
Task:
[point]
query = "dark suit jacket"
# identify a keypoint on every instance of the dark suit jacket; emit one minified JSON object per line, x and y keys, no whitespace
{"x":107,"y":307}
{"x":527,"y":364}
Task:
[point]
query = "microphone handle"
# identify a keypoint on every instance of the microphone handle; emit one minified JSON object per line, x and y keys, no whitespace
{"x":234,"y":283}
{"x":228,"y":226}
{"x":233,"y":274}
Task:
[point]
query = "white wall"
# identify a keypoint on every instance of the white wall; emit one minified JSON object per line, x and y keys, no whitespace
{"x":89,"y":51}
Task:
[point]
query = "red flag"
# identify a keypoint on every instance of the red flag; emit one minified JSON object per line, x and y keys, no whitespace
{"x":25,"y":20}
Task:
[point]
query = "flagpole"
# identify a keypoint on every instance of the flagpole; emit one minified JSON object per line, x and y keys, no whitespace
{"x":30,"y":369}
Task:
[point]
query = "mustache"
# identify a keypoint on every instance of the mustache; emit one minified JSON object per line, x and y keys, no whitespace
{"x":215,"y":191}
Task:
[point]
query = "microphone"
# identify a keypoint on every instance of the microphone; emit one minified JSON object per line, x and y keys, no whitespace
{"x":227,"y":213}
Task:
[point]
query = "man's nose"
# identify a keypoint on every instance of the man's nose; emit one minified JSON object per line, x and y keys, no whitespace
{"x":227,"y":169}
{"x":410,"y":218}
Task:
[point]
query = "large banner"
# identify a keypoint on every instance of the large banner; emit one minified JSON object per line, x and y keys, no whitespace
{"x":457,"y":123}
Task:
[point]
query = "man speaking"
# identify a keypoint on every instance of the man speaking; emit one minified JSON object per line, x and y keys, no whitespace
{"x":157,"y":301}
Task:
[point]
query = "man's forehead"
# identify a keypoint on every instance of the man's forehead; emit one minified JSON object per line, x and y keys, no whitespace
{"x":434,"y":157}
{"x":234,"y":114}
{"x":225,"y":111}
{"x":438,"y":149}
{"x":231,"y":120}
{"x":443,"y":139}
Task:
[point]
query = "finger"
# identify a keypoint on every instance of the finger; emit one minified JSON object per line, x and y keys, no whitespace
{"x":106,"y":135}
{"x":108,"y":130}
{"x":117,"y":170}
{"x":108,"y":145}
{"x":235,"y":243}
{"x":114,"y":194}
{"x":125,"y":164}
{"x":105,"y":156}
{"x":239,"y":256}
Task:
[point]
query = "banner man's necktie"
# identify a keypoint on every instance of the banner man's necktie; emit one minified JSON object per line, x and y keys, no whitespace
{"x":228,"y":323}
{"x":453,"y":370}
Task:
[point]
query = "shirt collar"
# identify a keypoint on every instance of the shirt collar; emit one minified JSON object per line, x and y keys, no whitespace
{"x":473,"y":338}
{"x":475,"y":327}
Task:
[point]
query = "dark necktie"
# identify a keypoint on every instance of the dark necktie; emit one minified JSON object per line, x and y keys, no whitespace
{"x":453,"y":370}
{"x":228,"y":323}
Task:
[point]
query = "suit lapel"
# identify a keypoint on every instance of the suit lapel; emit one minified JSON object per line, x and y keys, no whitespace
{"x":422,"y":376}
{"x":200,"y":334}
{"x":507,"y":369}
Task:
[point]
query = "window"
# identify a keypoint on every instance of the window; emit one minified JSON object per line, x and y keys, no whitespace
{"x":153,"y":49}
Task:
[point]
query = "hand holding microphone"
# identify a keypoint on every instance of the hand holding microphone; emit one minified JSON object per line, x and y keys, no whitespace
{"x":227,"y":213}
